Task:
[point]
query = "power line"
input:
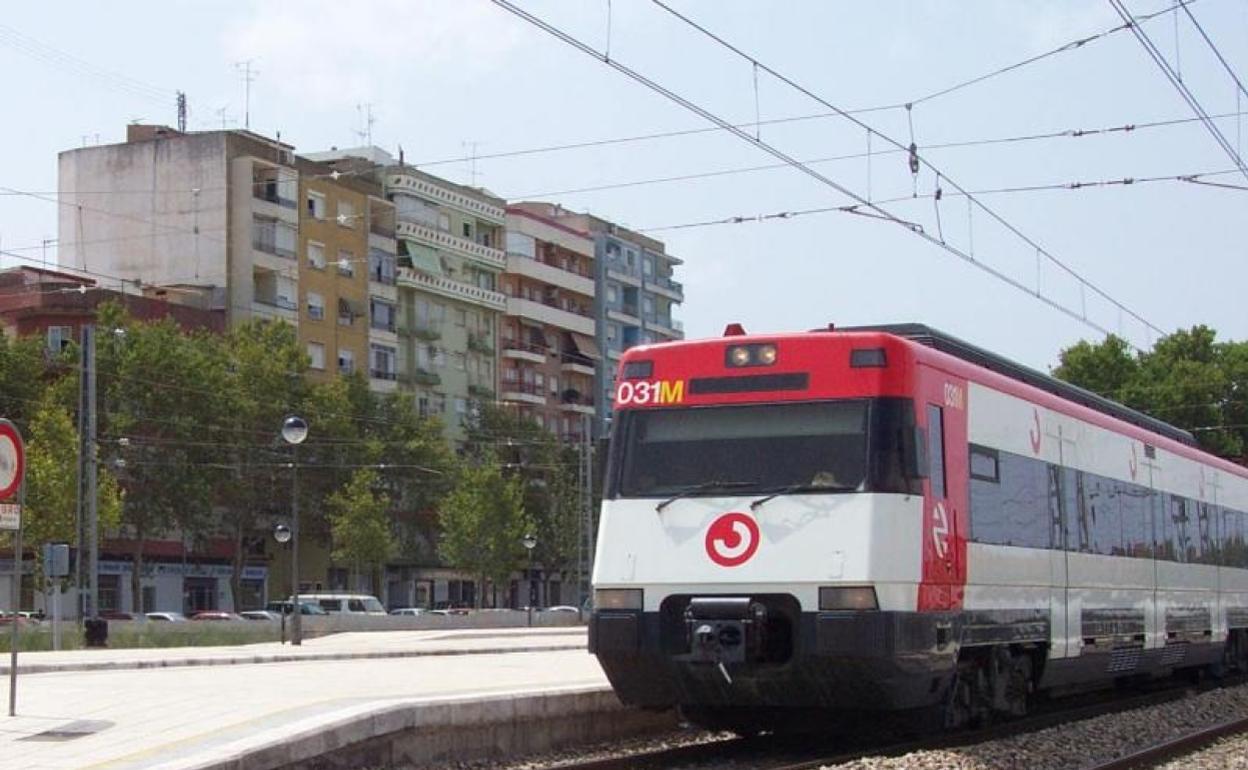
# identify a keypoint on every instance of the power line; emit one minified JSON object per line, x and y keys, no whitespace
{"x":916,"y":160}
{"x":1214,"y":48}
{"x":753,"y":124}
{"x":43,"y":52}
{"x":853,"y":208}
{"x":1160,"y":60}
{"x":1073,"y":133}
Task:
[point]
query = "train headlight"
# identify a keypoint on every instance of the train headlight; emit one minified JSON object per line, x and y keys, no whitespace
{"x":847,"y":598}
{"x":617,"y":598}
{"x":750,"y":355}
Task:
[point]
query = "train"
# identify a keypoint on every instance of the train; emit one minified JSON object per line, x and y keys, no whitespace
{"x":889,"y":519}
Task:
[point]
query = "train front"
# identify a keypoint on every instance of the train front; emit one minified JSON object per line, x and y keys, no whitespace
{"x":760,"y":548}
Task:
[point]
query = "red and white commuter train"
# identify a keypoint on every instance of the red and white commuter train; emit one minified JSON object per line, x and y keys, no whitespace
{"x":891,"y":519}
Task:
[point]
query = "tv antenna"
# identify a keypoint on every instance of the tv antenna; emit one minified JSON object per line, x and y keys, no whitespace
{"x":365,"y":112}
{"x":249,"y":76}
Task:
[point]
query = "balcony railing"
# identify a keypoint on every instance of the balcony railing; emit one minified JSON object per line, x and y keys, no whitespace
{"x":382,"y":229}
{"x":282,"y":302}
{"x":269,"y":247}
{"x":529,"y":388}
{"x":577,"y":359}
{"x":527,"y":347}
{"x":425,"y":330}
{"x":667,"y":283}
{"x":481,"y":391}
{"x":383,"y":374}
{"x":267,"y":191}
{"x":426,"y":377}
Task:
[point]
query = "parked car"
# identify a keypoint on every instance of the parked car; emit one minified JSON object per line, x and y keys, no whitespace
{"x":347,"y":604}
{"x":260,"y":615}
{"x":409,"y":611}
{"x":561,"y":608}
{"x":215,"y":615}
{"x":169,"y":617}
{"x":305,"y":608}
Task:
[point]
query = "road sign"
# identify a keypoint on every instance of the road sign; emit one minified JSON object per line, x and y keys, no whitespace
{"x":12,"y":459}
{"x":10,"y":517}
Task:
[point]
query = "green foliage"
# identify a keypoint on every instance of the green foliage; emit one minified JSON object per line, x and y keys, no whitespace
{"x":1188,"y":379}
{"x":359,"y":526}
{"x":483,"y":522}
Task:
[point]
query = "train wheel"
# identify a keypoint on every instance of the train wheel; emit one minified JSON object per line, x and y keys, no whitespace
{"x":1011,"y":683}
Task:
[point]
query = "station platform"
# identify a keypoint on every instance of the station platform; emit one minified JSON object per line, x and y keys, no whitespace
{"x":356,"y":699}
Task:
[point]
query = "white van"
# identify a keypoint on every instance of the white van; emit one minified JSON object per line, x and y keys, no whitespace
{"x":346,"y":604}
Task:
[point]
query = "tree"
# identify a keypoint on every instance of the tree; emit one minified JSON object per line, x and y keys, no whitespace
{"x":52,"y":479}
{"x":483,"y":522}
{"x":359,"y":526}
{"x":548,"y":472}
{"x":1188,"y":379}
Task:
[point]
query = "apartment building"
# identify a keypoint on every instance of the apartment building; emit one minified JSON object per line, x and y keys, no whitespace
{"x":450,"y":258}
{"x":635,"y":293}
{"x":548,"y":356}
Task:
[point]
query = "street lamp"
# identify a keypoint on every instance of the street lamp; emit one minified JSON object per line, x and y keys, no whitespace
{"x":530,"y":542}
{"x":281,"y":533}
{"x":294,"y":431}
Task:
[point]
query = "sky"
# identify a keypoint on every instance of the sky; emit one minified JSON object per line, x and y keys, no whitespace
{"x":449,"y":79}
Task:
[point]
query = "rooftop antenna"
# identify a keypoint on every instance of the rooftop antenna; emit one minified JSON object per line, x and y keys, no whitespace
{"x":249,"y":75}
{"x":222,"y":113}
{"x":182,"y":112}
{"x":365,"y":112}
{"x":472,"y":162}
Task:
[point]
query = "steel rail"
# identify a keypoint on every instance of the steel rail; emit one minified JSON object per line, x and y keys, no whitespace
{"x":1175,"y":747}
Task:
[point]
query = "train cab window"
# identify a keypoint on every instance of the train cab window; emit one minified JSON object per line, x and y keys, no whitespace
{"x":936,"y":449}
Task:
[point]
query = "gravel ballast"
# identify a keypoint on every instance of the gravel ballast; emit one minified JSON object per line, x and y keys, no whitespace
{"x":1085,"y":743}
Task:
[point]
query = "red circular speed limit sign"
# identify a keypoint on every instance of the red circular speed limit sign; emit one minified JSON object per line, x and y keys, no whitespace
{"x":12,"y":459}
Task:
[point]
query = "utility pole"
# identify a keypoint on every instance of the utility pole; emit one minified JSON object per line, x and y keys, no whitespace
{"x":92,"y":501}
{"x":80,"y":539}
{"x":181,"y":112}
{"x":585,"y":494}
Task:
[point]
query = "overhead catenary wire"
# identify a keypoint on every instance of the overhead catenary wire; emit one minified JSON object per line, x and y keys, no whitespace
{"x":40,"y":51}
{"x":1071,"y":45}
{"x":878,"y":211}
{"x":1160,"y":60}
{"x":925,"y":162}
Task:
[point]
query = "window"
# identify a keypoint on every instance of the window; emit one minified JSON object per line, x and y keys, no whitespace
{"x":820,"y":445}
{"x":316,"y":306}
{"x":444,"y":222}
{"x":60,"y":337}
{"x":382,"y":314}
{"x":316,"y":205}
{"x":467,"y":230}
{"x":460,"y":361}
{"x":521,"y":245}
{"x":273,"y":237}
{"x":382,"y":362}
{"x":613,"y":294}
{"x":461,"y":317}
{"x":346,"y":362}
{"x":647,"y":266}
{"x":936,"y":449}
{"x":346,"y":214}
{"x":316,"y":255}
{"x":381,"y":266}
{"x":346,"y":263}
{"x":316,"y":352}
{"x":1015,"y":505}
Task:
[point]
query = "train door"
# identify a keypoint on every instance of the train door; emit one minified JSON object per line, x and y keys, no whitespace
{"x":944,"y":504}
{"x":1059,"y":559}
{"x":1154,"y":611}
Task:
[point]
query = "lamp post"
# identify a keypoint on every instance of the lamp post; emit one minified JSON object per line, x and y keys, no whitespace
{"x":294,"y":431}
{"x":530,"y":542}
{"x":281,"y":533}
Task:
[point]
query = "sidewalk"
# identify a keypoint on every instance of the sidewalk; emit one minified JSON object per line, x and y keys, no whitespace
{"x":189,"y":708}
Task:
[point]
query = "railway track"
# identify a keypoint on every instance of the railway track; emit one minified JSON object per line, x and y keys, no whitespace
{"x":791,"y":753}
{"x":1177,"y":747}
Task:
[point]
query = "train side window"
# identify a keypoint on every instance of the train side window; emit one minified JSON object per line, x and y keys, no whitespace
{"x":985,"y":464}
{"x":1186,"y":547}
{"x":1206,"y":523}
{"x":1163,"y":547}
{"x":1072,"y":493}
{"x":1237,"y":542}
{"x":1016,"y":508}
{"x":1103,"y":517}
{"x":1137,"y":538}
{"x":936,"y":449}
{"x":1057,"y":536}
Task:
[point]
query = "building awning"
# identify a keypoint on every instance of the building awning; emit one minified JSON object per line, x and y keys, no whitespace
{"x":585,"y":346}
{"x":423,"y":258}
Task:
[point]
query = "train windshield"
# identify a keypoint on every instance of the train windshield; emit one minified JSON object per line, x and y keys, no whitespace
{"x":825,"y":446}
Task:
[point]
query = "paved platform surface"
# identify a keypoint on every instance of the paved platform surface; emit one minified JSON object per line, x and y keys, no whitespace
{"x":128,"y":711}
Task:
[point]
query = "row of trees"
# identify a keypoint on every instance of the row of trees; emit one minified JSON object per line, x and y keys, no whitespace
{"x":1188,"y":379}
{"x":189,"y":445}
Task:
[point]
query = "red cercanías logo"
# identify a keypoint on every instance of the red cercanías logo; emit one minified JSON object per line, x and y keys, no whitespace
{"x":732,"y":539}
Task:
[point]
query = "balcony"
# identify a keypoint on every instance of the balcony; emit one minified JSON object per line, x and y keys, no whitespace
{"x":422,"y":330}
{"x":383,"y":374}
{"x":572,"y":400}
{"x":666,"y":326}
{"x":524,"y":392}
{"x":426,"y":378}
{"x":625,"y":314}
{"x":481,"y":391}
{"x":553,"y":316}
{"x":448,"y":287}
{"x":524,"y":351}
{"x":549,"y":274}
{"x":578,"y":364}
{"x":623,"y":273}
{"x":666,"y":286}
{"x":492,"y":258}
{"x":435,"y":192}
{"x":481,"y":343}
